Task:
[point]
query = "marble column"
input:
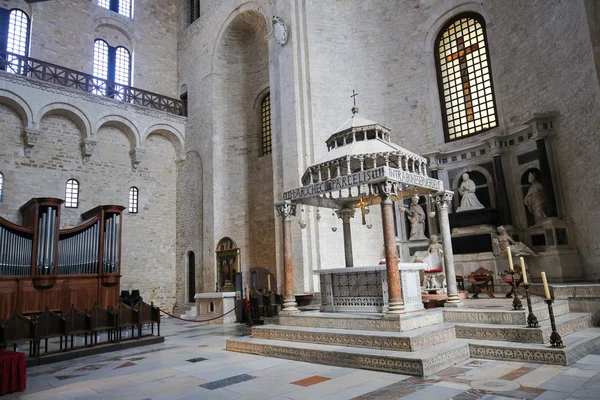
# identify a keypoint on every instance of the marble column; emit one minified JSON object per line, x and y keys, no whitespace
{"x":345,"y":214}
{"x":546,"y":178}
{"x":286,"y":210}
{"x":395,"y":304}
{"x":443,"y":201}
{"x":503,"y":203}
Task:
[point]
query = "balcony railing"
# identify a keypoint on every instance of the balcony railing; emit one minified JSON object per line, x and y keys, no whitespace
{"x":66,"y":77}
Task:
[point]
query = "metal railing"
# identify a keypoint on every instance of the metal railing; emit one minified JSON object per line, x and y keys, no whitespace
{"x":51,"y":73}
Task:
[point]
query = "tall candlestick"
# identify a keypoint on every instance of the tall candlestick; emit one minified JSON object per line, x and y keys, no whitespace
{"x":546,"y":290}
{"x":510,"y":263}
{"x":269,"y":282}
{"x":523,"y":271}
{"x":247,"y":292}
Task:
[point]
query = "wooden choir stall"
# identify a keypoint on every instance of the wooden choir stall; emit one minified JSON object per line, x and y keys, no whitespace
{"x":43,"y":266}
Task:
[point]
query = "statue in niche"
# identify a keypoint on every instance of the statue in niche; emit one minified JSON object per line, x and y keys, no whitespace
{"x":416,"y":216}
{"x":501,"y":243}
{"x":469,"y":200}
{"x":535,"y":200}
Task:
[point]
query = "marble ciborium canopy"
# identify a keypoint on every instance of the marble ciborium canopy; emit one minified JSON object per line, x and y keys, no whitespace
{"x":363,"y":165}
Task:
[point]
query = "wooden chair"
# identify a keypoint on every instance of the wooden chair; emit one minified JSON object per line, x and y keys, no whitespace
{"x":147,"y":314}
{"x":50,"y":325}
{"x":102,"y":320}
{"x":126,"y":317}
{"x":77,"y":323}
{"x":507,"y":278}
{"x":18,"y":329}
{"x":481,"y":279}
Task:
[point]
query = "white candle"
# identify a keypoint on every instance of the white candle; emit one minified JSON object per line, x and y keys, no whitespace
{"x":546,"y":290}
{"x":510,"y":263}
{"x":247,"y":292}
{"x":523,"y":271}
{"x":269,"y":282}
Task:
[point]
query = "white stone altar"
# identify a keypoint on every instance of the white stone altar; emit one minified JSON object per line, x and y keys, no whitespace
{"x":365,"y":289}
{"x":210,"y":305}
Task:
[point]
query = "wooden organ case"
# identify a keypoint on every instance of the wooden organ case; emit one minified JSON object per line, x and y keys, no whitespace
{"x":43,"y":266}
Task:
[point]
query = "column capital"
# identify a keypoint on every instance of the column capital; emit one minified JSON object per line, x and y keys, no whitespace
{"x":30,"y":136}
{"x":385,"y":189}
{"x":137,"y":155}
{"x":285,"y":209}
{"x":87,"y":148}
{"x":345,"y":214}
{"x":444,"y":199}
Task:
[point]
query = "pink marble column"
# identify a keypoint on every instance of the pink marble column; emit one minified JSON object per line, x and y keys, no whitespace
{"x":395,"y":304}
{"x":286,"y":210}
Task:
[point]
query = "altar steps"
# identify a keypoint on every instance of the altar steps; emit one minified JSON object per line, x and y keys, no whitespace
{"x":504,"y":316}
{"x":565,"y":325}
{"x":383,"y":340}
{"x":423,"y":362}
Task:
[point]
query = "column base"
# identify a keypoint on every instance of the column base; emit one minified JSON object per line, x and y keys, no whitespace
{"x":395,"y":308}
{"x":453,"y":301}
{"x":289,"y":307}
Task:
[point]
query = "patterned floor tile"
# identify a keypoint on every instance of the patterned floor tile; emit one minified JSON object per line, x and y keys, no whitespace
{"x":313,"y":380}
{"x":93,"y":367}
{"x":227,"y":381}
{"x":517,"y":373}
{"x":195,"y":360}
{"x":471,"y":394}
{"x":65,"y":377}
{"x":125,"y":365}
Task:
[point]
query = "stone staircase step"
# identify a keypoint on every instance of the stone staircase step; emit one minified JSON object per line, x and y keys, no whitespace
{"x":423,"y":362}
{"x":577,"y":345}
{"x":565,"y":325}
{"x":504,"y":314}
{"x":364,"y":322}
{"x":399,"y":341}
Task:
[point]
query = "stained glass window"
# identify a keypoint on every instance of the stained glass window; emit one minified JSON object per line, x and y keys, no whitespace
{"x":265,"y":114}
{"x":465,"y":78}
{"x":72,"y":194}
{"x":133,"y":200}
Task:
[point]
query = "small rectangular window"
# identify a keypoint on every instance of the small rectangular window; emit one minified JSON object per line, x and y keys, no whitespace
{"x":1,"y":186}
{"x":266,"y":125}
{"x":72,"y":194}
{"x":133,"y":200}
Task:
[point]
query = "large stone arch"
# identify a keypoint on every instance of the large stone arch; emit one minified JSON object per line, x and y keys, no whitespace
{"x":20,"y":106}
{"x":71,"y":112}
{"x":124,"y":124}
{"x":241,"y":58}
{"x":171,"y":133}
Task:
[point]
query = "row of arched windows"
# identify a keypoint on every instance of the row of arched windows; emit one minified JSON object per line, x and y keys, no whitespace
{"x":462,"y":64}
{"x":72,"y":195}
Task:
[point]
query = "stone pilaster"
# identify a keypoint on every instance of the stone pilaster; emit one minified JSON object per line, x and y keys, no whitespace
{"x":443,"y":201}
{"x":30,"y":137}
{"x":345,"y":214}
{"x":287,"y":210}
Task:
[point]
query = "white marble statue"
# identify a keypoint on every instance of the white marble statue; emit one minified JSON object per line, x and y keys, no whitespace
{"x":535,"y":200}
{"x":503,"y":240}
{"x":435,"y":261}
{"x":469,"y":200}
{"x":416,"y":216}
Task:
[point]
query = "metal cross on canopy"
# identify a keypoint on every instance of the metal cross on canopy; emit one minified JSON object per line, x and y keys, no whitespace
{"x":354,"y":109}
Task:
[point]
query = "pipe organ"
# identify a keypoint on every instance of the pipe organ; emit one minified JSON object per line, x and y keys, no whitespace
{"x":43,"y":266}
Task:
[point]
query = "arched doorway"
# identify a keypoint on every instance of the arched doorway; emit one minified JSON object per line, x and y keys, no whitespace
{"x":191,"y":277}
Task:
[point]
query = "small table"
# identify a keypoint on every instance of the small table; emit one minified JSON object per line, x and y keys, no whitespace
{"x":13,"y":373}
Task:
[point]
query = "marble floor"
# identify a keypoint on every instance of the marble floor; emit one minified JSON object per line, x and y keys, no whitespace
{"x":192,"y":364}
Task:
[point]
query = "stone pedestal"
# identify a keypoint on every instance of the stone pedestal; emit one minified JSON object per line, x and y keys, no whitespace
{"x":365,"y":289}
{"x":210,"y":305}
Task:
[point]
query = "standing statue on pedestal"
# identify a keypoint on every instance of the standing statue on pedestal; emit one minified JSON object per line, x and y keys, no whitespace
{"x":535,"y":200}
{"x":469,"y":200}
{"x":501,"y":243}
{"x":416,"y":216}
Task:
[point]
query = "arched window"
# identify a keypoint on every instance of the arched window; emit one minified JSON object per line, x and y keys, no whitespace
{"x":122,"y":7}
{"x":72,"y":194}
{"x":114,"y":65}
{"x":133,"y":200}
{"x":1,"y":186}
{"x":265,"y":115}
{"x":14,"y":37}
{"x":465,"y":77}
